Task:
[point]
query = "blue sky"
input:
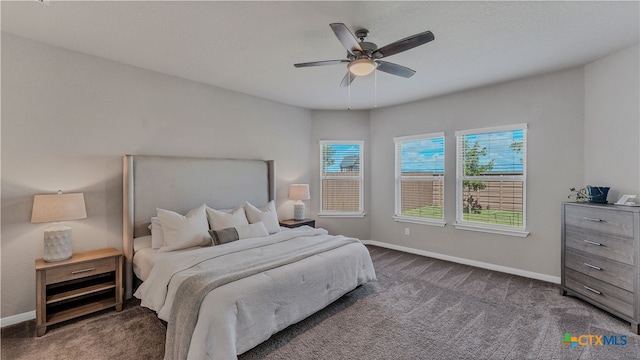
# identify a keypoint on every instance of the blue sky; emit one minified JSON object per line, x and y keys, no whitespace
{"x":423,"y":155}
{"x":342,"y":150}
{"x":497,"y":144}
{"x":428,"y":155}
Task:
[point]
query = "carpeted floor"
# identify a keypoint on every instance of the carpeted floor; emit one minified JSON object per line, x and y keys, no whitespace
{"x":420,"y":308}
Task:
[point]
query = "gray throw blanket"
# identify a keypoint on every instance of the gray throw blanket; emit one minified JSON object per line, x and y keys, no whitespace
{"x":192,"y":291}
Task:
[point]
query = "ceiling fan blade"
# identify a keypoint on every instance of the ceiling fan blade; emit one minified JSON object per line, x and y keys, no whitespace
{"x":394,"y":69}
{"x":345,"y":80}
{"x":403,"y":45}
{"x":346,"y":37}
{"x":321,"y":63}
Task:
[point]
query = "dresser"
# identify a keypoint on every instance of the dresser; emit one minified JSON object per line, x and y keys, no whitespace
{"x":601,"y":257}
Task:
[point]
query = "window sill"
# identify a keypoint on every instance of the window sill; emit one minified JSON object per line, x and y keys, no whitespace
{"x":491,"y":229}
{"x":431,"y":222}
{"x":341,"y":215}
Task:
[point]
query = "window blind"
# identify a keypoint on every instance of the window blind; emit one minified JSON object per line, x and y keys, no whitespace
{"x":419,"y":177}
{"x":341,"y":178}
{"x":491,"y":176}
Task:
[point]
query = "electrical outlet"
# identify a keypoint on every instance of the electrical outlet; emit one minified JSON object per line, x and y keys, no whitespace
{"x":407,"y":231}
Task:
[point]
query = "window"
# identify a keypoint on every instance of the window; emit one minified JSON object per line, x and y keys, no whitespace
{"x":341,"y":176}
{"x":420,"y":179}
{"x":491,"y":180}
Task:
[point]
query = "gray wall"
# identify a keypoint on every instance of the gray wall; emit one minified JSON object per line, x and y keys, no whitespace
{"x":67,"y":120}
{"x":612,"y":123}
{"x":553,"y":107}
{"x":340,"y":125}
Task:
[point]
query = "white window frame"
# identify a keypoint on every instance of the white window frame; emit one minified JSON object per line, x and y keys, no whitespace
{"x":360,"y":177}
{"x":460,"y":178}
{"x":398,"y":216}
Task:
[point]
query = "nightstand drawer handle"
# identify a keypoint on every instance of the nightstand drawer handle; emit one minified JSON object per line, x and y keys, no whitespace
{"x":593,"y":243}
{"x":592,"y":219}
{"x":592,"y":290}
{"x":593,"y":266}
{"x":81,"y":271}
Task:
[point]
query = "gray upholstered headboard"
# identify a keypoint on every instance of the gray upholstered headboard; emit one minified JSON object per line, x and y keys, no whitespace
{"x":182,"y":183}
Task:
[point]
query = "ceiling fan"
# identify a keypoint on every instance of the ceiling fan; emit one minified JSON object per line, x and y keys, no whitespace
{"x":364,"y":57}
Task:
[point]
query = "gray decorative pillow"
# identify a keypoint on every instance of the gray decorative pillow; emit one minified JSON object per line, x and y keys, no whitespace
{"x":224,"y":236}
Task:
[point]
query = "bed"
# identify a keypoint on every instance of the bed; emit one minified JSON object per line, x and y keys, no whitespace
{"x":220,"y":301}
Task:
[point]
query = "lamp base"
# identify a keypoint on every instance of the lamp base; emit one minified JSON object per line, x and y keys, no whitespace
{"x":298,"y":211}
{"x":57,"y":243}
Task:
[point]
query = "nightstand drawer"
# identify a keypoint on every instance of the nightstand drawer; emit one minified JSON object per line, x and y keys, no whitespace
{"x":81,"y":270}
{"x":612,"y":222}
{"x":609,"y":296}
{"x":609,"y":271}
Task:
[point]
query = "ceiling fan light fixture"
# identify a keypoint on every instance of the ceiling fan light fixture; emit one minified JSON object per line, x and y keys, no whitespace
{"x":361,"y":67}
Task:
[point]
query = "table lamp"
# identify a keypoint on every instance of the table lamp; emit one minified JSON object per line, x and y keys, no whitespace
{"x":57,"y":208}
{"x":299,"y":192}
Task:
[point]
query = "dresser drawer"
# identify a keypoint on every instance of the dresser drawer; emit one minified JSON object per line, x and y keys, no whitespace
{"x":611,"y":247}
{"x":608,"y":295}
{"x":609,"y":271}
{"x":80,"y":270}
{"x":611,"y":222}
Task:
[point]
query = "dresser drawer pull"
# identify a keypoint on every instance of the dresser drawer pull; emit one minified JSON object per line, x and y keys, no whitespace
{"x":592,"y":219}
{"x":592,"y":290}
{"x":593,"y":266}
{"x":593,"y":243}
{"x":82,"y":271}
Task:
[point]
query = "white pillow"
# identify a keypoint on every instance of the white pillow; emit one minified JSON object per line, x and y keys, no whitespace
{"x":254,"y":230}
{"x":157,"y":235}
{"x":267,"y":214}
{"x":142,"y":242}
{"x":220,"y":219}
{"x":181,"y":232}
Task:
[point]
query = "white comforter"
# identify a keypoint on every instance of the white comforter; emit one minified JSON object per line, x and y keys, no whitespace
{"x":237,"y":316}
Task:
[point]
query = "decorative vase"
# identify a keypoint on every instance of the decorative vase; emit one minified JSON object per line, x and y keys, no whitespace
{"x":598,"y":194}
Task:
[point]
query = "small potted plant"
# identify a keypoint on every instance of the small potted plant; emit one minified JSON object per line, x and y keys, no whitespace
{"x":595,"y":194}
{"x":598,"y":194}
{"x":581,"y":195}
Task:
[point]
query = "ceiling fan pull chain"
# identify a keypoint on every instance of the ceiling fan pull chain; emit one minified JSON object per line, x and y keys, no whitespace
{"x":375,"y":89}
{"x":349,"y":91}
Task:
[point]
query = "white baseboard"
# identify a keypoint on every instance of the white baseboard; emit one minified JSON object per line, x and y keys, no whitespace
{"x":480,"y":264}
{"x":15,"y":319}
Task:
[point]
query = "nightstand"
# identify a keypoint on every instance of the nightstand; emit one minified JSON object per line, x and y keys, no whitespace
{"x":291,"y":223}
{"x":89,"y":281}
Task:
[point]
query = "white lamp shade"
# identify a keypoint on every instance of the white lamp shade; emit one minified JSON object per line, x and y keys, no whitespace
{"x":299,"y":192}
{"x":58,"y":207}
{"x":54,"y":208}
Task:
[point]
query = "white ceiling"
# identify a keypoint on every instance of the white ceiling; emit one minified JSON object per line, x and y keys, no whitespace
{"x":250,"y":47}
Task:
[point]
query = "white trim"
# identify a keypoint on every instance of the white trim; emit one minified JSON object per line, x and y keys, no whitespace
{"x":422,"y":221}
{"x":419,"y":137}
{"x":479,"y":264}
{"x":342,"y":214}
{"x":492,"y":129}
{"x":16,"y":319}
{"x":467,"y":225}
